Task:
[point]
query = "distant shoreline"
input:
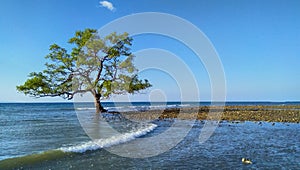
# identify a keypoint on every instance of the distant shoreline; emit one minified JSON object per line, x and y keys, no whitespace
{"x":262,"y":102}
{"x":288,"y":111}
{"x":271,"y":113}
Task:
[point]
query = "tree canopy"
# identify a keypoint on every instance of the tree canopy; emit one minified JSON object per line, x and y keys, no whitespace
{"x":101,"y":66}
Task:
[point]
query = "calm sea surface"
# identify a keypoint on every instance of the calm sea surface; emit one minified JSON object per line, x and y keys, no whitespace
{"x":50,"y":136}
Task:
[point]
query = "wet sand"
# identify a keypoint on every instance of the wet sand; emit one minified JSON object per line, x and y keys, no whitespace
{"x":272,"y":113}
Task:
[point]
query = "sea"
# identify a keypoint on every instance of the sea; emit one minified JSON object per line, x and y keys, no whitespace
{"x":72,"y":136}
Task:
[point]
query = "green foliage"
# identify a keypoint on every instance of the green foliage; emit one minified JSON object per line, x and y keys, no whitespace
{"x":101,"y":66}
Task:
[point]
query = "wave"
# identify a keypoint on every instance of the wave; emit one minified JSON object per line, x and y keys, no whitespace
{"x":128,"y":108}
{"x":184,"y":105}
{"x":144,"y":108}
{"x":20,"y":162}
{"x":14,"y":163}
{"x":114,"y":140}
{"x":85,"y":108}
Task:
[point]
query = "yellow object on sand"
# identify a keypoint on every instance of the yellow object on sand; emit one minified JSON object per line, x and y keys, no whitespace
{"x":246,"y":161}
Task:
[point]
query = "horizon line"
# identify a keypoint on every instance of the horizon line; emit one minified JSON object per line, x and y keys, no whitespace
{"x":206,"y":101}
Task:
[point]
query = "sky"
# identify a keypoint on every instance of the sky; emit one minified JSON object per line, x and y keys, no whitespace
{"x":258,"y":43}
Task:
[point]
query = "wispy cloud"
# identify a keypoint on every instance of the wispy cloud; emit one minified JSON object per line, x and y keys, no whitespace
{"x":108,"y":5}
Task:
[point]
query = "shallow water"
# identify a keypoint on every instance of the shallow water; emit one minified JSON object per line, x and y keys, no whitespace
{"x":34,"y":128}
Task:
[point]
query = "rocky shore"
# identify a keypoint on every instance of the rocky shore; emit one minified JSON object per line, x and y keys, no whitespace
{"x":272,"y":113}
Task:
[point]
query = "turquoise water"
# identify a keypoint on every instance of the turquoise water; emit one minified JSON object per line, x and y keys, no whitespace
{"x":50,"y":136}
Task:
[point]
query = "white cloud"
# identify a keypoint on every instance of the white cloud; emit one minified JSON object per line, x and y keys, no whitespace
{"x":107,"y":5}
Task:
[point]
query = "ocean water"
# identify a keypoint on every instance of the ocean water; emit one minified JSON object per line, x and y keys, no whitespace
{"x":70,"y":136}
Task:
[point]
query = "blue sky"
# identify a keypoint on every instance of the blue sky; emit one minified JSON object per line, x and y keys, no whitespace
{"x":258,"y":42}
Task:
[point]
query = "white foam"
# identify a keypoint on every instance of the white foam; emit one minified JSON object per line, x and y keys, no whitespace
{"x":172,"y":105}
{"x":107,"y":142}
{"x":184,"y":105}
{"x":136,"y":108}
{"x":158,"y":106}
{"x":85,"y":108}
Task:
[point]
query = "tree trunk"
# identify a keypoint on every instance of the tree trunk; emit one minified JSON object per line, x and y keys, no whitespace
{"x":99,"y":107}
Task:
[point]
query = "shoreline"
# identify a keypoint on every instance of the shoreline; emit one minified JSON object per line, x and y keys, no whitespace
{"x":274,"y":113}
